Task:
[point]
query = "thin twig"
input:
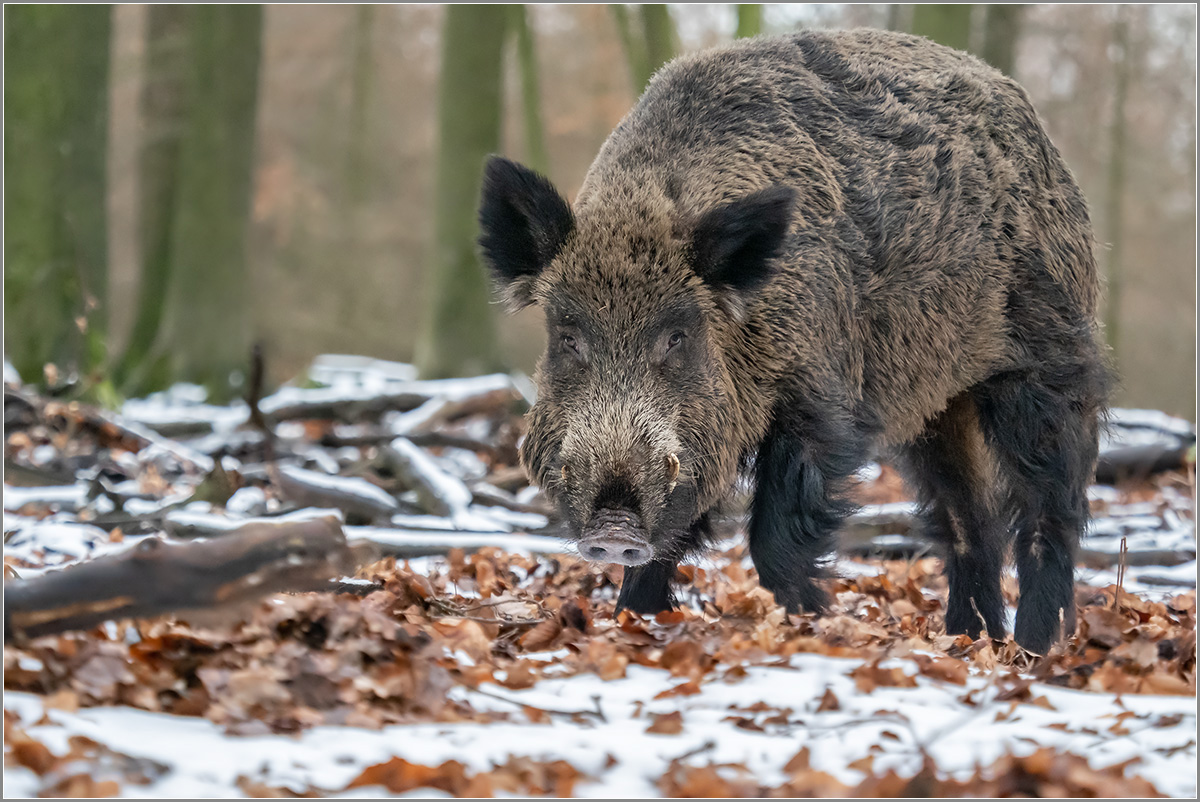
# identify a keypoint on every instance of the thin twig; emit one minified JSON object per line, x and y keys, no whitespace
{"x":598,"y":713}
{"x":1120,"y":574}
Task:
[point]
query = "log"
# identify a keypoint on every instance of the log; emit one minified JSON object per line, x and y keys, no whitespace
{"x":1139,"y":462}
{"x":1139,"y":557}
{"x":155,"y":577}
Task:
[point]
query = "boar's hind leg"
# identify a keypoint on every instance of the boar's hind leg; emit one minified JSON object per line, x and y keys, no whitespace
{"x":955,"y":475}
{"x":1047,"y":437}
{"x":799,"y":505}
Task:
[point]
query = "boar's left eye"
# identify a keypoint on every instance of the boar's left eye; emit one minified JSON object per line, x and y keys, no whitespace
{"x":675,"y":339}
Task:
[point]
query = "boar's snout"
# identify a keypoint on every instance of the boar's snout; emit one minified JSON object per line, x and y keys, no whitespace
{"x":616,"y":536}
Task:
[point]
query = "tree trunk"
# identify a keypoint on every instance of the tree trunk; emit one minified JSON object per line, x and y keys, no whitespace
{"x":660,"y":36}
{"x":749,"y":20}
{"x":206,"y":331}
{"x":648,"y":48}
{"x":163,"y":105}
{"x":531,"y":98}
{"x":1115,"y":189}
{"x":358,"y":157}
{"x":944,"y":23}
{"x":1002,"y":31}
{"x":634,"y":46}
{"x":55,"y":192}
{"x":460,"y":332}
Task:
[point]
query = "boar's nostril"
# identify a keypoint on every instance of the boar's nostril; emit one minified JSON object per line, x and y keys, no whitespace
{"x":616,"y":549}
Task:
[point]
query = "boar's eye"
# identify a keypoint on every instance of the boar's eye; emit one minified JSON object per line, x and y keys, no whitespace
{"x":569,"y":343}
{"x":675,"y":339}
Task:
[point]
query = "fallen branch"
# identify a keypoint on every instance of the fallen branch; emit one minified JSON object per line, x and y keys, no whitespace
{"x":438,"y":492}
{"x":597,"y":713}
{"x":155,"y":577}
{"x":292,"y":403}
{"x":486,"y":495}
{"x":354,"y":496}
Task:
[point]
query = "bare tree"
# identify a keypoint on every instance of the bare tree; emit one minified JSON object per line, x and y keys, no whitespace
{"x":1115,"y":184}
{"x":649,"y":45}
{"x":531,"y":98}
{"x":197,"y":172}
{"x":56,"y":61}
{"x":161,"y":108}
{"x":1002,"y":31}
{"x":459,"y":335}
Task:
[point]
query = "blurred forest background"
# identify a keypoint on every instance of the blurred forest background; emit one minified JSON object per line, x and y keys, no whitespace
{"x":182,"y":182}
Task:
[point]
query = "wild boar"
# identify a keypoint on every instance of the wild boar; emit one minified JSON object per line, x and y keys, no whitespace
{"x":793,"y":253}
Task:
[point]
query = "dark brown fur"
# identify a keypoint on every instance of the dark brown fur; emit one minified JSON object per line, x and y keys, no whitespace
{"x":864,"y":241}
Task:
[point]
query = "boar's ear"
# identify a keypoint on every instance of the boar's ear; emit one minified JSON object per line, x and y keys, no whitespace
{"x":734,"y":245}
{"x":523,"y":223}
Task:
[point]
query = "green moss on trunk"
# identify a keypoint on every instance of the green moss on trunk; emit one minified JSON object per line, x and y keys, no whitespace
{"x":55,"y":221}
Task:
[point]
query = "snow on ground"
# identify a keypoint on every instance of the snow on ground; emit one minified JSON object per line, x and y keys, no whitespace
{"x":623,"y":760}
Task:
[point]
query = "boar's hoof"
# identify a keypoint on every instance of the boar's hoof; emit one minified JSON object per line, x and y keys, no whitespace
{"x":616,"y":536}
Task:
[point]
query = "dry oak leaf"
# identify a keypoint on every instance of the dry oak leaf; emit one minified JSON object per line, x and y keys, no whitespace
{"x":666,"y":723}
{"x":870,"y":676}
{"x":944,"y":668}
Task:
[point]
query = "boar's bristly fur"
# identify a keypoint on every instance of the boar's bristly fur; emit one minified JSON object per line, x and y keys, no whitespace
{"x":793,"y":253}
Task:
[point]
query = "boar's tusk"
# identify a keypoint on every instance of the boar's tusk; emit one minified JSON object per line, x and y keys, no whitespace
{"x":672,"y":471}
{"x":564,"y":474}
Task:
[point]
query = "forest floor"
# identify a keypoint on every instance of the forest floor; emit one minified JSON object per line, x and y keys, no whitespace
{"x":468,"y":657}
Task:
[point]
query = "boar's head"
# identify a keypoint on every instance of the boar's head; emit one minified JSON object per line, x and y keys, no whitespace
{"x":635,"y":432}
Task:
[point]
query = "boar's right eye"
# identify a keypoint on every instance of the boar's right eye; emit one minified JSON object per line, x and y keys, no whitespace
{"x":569,"y":343}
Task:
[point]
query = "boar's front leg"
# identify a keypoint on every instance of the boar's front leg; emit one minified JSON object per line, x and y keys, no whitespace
{"x":800,"y":473}
{"x":646,"y":588}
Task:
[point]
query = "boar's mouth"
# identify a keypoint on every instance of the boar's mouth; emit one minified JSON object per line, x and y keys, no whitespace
{"x":616,"y":536}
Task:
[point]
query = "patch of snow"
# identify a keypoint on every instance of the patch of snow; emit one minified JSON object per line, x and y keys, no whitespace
{"x":527,"y":494}
{"x":516,"y":543}
{"x":337,"y":370}
{"x":178,"y":406}
{"x":407,"y":422}
{"x":40,"y":455}
{"x":869,"y":472}
{"x":71,"y":541}
{"x":247,"y":501}
{"x":896,"y":509}
{"x":510,"y":518}
{"x":66,"y":497}
{"x":462,"y":463}
{"x":423,"y":522}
